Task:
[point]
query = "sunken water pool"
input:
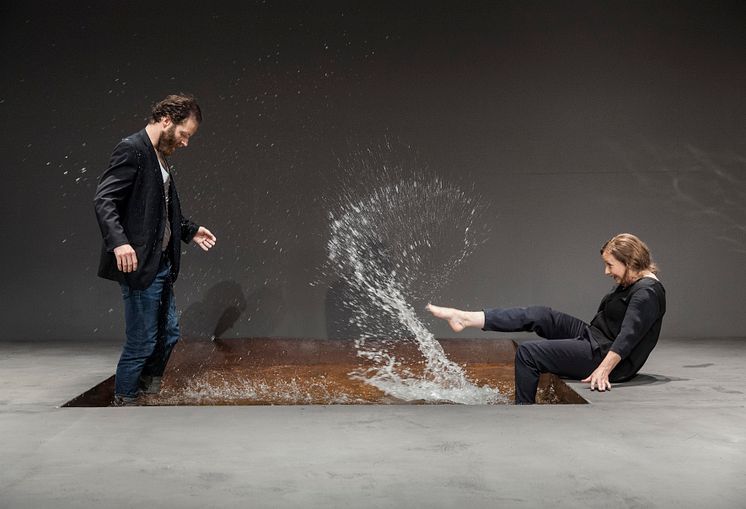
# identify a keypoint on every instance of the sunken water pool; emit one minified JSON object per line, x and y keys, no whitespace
{"x":301,"y":371}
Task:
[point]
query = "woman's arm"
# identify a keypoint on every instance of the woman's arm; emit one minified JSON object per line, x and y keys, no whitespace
{"x":599,"y":379}
{"x":642,"y":312}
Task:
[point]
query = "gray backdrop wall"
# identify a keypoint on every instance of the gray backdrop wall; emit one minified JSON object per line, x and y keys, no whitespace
{"x":573,"y":121}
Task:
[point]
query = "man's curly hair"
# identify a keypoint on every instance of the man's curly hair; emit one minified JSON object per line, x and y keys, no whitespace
{"x":178,"y":107}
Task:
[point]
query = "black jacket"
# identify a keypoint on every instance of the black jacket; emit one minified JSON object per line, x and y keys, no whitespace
{"x":130,"y":208}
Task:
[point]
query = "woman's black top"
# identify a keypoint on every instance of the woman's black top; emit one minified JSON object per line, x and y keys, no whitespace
{"x":628,"y":323}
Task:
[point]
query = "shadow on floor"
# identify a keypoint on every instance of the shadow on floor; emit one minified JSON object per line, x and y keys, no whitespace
{"x":648,"y":379}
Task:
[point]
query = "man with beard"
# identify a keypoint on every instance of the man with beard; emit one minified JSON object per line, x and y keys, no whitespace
{"x":139,"y":214}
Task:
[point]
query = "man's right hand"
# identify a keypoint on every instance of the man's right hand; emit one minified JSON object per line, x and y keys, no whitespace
{"x":126,"y":258}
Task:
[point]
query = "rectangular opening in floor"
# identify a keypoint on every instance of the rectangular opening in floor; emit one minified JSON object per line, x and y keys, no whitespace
{"x":301,"y":371}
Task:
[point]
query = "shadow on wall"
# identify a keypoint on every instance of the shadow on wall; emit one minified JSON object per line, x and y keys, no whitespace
{"x":352,"y":314}
{"x":224,"y":304}
{"x":708,"y":189}
{"x":340,"y":319}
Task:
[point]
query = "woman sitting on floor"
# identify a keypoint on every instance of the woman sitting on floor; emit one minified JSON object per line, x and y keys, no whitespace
{"x":612,"y":348}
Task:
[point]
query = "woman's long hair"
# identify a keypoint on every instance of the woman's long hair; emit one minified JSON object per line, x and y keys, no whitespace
{"x":631,"y":251}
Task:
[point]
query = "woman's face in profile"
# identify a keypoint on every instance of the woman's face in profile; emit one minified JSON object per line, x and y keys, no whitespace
{"x":614,"y":268}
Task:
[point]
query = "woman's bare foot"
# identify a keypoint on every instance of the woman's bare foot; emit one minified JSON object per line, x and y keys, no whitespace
{"x":457,"y":319}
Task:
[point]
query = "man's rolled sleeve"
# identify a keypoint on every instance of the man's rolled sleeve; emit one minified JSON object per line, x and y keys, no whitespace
{"x":188,"y":230}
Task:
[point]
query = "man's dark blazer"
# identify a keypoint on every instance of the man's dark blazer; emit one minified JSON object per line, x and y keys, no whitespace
{"x":130,"y":209}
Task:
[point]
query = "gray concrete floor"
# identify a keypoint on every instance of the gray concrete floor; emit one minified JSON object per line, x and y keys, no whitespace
{"x":673,"y":438}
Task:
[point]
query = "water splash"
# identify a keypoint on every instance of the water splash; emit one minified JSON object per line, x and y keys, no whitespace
{"x":392,"y":248}
{"x":210,"y":387}
{"x":441,"y":378}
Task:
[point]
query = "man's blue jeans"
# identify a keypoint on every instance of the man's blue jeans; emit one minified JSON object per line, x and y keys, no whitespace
{"x":152,"y":328}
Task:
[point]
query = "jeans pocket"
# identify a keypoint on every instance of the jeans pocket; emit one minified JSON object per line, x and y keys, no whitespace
{"x":125,"y":290}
